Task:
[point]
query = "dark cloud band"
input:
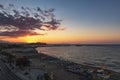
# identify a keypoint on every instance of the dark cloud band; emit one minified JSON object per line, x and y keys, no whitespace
{"x":26,"y":20}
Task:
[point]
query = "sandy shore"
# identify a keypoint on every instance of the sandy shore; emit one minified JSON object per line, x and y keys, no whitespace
{"x":59,"y":71}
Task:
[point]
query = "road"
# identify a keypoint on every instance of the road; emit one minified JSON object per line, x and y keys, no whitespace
{"x":6,"y":73}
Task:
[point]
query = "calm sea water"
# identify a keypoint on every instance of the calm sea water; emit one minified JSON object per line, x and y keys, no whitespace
{"x":95,"y":55}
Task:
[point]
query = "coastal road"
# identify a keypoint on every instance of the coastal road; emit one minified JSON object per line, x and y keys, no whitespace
{"x":6,"y":73}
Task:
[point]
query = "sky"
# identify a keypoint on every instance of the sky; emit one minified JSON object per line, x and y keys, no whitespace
{"x":83,"y":21}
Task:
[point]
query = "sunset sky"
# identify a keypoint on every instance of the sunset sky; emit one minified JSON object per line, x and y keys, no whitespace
{"x":83,"y":21}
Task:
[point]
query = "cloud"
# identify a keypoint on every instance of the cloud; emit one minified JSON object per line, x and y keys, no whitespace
{"x":19,"y":33}
{"x":15,"y":23}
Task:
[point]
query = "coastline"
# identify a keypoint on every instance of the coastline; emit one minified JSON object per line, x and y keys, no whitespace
{"x":62,"y":70}
{"x":62,"y":64}
{"x":52,"y":67}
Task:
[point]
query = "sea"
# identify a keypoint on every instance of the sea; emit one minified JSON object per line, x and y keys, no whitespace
{"x":108,"y":56}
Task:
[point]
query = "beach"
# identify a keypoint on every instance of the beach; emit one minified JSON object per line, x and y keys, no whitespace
{"x":59,"y":39}
{"x":58,"y":71}
{"x":61,"y":69}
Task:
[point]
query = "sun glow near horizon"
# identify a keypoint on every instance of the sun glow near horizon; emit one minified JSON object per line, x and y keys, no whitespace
{"x":70,"y":36}
{"x":66,"y":36}
{"x":31,"y":39}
